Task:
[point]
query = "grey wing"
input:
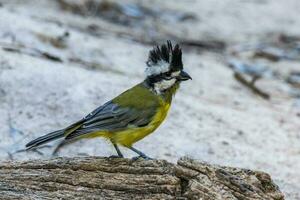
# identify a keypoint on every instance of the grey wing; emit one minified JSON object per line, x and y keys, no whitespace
{"x":111,"y":117}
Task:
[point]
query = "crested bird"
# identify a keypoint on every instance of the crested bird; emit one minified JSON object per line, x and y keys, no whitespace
{"x":135,"y":113}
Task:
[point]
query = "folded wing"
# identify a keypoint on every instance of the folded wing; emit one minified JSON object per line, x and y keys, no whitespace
{"x":111,"y":117}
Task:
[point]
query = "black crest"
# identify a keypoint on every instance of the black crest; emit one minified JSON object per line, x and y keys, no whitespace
{"x":168,"y":54}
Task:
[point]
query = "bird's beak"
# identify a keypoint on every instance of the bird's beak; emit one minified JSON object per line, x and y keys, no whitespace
{"x":183,"y":76}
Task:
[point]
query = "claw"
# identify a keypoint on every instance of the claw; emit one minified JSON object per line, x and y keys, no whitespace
{"x":115,"y":156}
{"x":138,"y":157}
{"x":141,"y":154}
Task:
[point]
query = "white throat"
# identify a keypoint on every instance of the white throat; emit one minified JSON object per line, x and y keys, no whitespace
{"x":162,"y":85}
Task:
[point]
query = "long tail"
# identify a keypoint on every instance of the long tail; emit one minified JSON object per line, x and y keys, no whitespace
{"x":46,"y":138}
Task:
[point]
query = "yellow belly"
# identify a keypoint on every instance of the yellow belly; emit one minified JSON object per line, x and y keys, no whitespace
{"x":134,"y":134}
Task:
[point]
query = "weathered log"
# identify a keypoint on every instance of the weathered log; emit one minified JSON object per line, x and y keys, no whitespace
{"x":117,"y":178}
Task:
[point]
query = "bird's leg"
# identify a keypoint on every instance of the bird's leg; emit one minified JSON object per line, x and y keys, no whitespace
{"x":141,"y":154}
{"x":120,"y":155}
{"x":60,"y":145}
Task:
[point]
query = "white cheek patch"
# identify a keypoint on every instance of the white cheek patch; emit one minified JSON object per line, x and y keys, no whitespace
{"x":174,"y":74}
{"x":163,"y":85}
{"x":159,"y":68}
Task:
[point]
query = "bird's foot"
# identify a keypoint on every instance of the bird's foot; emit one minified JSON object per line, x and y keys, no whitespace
{"x":116,"y":156}
{"x":141,"y":156}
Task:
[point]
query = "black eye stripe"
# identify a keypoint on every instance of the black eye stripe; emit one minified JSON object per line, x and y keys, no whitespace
{"x":162,"y":76}
{"x":168,"y":74}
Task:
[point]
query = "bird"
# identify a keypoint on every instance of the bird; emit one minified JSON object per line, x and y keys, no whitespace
{"x":135,"y":113}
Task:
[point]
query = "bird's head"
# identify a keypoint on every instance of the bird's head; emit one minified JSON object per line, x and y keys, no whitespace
{"x":165,"y":68}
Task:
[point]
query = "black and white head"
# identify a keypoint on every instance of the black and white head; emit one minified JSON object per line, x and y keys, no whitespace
{"x":165,"y":68}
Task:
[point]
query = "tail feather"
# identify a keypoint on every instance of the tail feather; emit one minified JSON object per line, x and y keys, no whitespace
{"x":46,"y":138}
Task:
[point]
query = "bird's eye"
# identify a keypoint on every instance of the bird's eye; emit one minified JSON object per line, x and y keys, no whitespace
{"x":167,"y":76}
{"x":168,"y":73}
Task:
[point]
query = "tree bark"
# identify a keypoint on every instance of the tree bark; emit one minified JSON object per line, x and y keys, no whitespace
{"x":118,"y":178}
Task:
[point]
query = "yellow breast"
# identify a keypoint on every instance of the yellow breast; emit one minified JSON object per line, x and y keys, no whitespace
{"x":134,"y":134}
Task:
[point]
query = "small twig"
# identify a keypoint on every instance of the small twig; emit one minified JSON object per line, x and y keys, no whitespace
{"x":30,"y":51}
{"x":269,"y":54}
{"x":58,"y":41}
{"x":251,"y":85}
{"x":212,"y":45}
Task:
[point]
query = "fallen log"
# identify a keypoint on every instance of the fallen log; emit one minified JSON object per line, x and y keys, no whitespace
{"x":118,"y":178}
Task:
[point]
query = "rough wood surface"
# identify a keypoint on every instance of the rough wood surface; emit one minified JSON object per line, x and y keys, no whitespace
{"x":104,"y":178}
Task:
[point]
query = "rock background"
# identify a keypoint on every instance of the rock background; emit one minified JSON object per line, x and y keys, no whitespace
{"x":61,"y":59}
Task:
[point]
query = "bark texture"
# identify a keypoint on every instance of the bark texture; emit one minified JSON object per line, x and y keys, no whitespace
{"x":104,"y":178}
